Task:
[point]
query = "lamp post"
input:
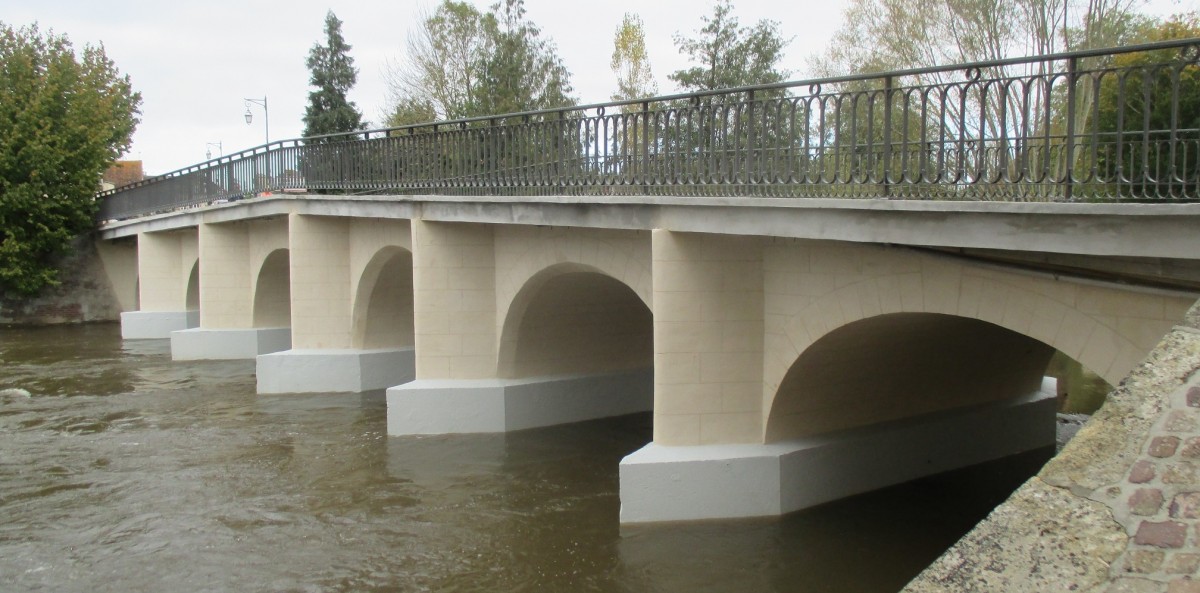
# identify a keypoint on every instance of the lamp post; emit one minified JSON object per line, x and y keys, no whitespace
{"x":208,"y":149}
{"x":266,"y":116}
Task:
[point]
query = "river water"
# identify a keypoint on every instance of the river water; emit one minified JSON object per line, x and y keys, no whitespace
{"x":125,"y":471}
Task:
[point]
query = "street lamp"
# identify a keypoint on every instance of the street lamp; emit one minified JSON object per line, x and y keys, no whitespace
{"x":208,"y":149}
{"x":266,"y":115}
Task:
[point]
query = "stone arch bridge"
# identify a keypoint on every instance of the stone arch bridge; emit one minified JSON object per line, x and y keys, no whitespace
{"x":792,"y":351}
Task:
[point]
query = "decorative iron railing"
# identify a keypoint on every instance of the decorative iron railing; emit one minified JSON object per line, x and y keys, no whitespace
{"x":1118,"y":124}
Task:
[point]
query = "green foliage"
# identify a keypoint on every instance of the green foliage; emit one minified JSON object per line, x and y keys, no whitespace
{"x":333,"y":74}
{"x":727,"y":55}
{"x":1146,"y":95}
{"x":464,"y":63}
{"x":65,"y":116}
{"x":524,"y":73}
{"x":630,"y":61}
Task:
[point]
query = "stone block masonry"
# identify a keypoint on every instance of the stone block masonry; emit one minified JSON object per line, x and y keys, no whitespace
{"x":85,"y":294}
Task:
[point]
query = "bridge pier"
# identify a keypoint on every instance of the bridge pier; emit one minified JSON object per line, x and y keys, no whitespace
{"x":351,"y":325}
{"x":330,"y":370}
{"x":149,"y":325}
{"x":501,"y":405}
{"x":168,"y":286}
{"x":228,"y":344}
{"x":244,"y":292}
{"x":664,"y":483}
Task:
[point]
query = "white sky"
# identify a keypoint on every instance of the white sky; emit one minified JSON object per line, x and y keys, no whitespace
{"x":195,"y":62}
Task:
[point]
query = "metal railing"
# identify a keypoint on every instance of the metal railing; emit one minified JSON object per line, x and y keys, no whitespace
{"x":1119,"y":124}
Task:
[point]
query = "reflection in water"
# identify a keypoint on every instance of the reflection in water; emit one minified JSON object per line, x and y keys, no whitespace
{"x":1080,"y":391}
{"x":125,"y":471}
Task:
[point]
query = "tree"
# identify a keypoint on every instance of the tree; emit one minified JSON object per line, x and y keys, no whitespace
{"x":524,"y":73}
{"x":630,"y":62}
{"x":727,"y":55}
{"x":878,"y":35}
{"x":462,"y":63}
{"x":1140,"y":101}
{"x":65,"y":117}
{"x":333,"y":74}
{"x":1015,"y":113}
{"x":444,"y":69}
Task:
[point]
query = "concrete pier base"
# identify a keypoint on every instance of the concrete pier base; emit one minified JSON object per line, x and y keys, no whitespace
{"x":316,"y":371}
{"x":228,"y":344}
{"x":156,"y":325}
{"x":728,"y":481}
{"x":502,"y":405}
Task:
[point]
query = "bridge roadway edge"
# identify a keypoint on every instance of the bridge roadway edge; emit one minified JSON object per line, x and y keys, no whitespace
{"x":1134,"y":230}
{"x":1118,"y":510}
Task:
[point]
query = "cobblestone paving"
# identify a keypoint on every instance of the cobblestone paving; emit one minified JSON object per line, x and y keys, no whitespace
{"x":1159,"y":504}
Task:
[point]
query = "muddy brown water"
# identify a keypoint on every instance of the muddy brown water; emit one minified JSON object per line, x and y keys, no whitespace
{"x":125,"y":471}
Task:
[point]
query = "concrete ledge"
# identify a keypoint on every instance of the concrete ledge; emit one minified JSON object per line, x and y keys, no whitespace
{"x":321,"y":371}
{"x":228,"y":344}
{"x":728,"y":481}
{"x":502,"y":405}
{"x":156,"y":325}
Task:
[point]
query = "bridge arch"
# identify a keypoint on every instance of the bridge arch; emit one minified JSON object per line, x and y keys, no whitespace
{"x":571,"y":318}
{"x":192,"y":292}
{"x":383,"y":301}
{"x":272,"y":291}
{"x":980,"y":325}
{"x":547,"y":248}
{"x":899,"y":365}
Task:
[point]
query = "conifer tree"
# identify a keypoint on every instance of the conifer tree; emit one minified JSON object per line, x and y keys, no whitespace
{"x":333,"y":74}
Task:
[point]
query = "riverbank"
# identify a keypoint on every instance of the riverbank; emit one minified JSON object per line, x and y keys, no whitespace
{"x":1118,"y":510}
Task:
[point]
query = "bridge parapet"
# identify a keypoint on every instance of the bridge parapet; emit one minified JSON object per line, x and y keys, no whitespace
{"x":1080,"y":126}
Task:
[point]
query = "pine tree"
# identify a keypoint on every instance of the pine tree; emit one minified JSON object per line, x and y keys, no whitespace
{"x":333,"y":74}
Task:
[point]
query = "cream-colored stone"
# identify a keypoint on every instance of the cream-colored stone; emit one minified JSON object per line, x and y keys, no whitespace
{"x":676,"y":367}
{"x":743,"y":427}
{"x":730,"y":367}
{"x":165,"y":261}
{"x":690,"y":398}
{"x":676,"y":429}
{"x":742,"y":397}
{"x":460,"y":254}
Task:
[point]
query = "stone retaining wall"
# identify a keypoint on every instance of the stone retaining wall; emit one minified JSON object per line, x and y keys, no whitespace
{"x":84,"y":295}
{"x":1118,"y":511}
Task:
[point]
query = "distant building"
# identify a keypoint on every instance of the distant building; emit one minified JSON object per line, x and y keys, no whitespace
{"x":122,"y":173}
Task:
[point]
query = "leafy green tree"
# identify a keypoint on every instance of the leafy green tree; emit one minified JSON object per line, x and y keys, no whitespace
{"x":524,"y":73}
{"x":727,"y":55}
{"x":630,"y":62}
{"x":444,"y":67}
{"x":711,"y":138}
{"x":1140,"y":101}
{"x":333,"y":74}
{"x":65,"y":116}
{"x":463,"y":63}
{"x":1017,"y":119}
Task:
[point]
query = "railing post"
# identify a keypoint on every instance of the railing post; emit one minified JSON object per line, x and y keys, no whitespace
{"x":887,"y":135}
{"x":751,"y":139}
{"x":1069,"y":148}
{"x":645,"y":142}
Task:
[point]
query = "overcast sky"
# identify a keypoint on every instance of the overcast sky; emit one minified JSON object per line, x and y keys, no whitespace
{"x":195,"y":62}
